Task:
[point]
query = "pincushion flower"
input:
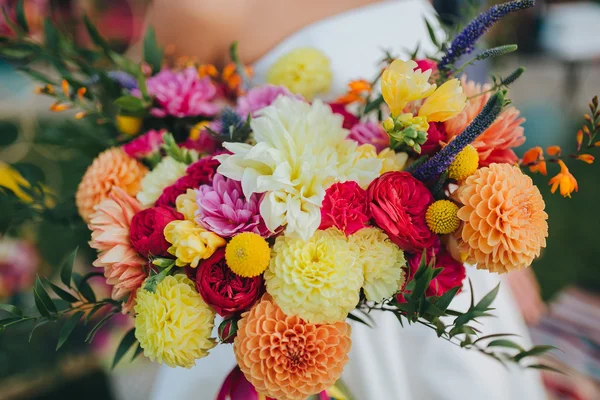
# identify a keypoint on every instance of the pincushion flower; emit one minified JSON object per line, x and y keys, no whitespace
{"x":186,"y":204}
{"x":124,"y":268}
{"x":504,"y":223}
{"x":319,"y":279}
{"x":181,"y":94}
{"x":224,"y":210}
{"x":495,"y":144}
{"x":260,"y":97}
{"x":173,"y":324}
{"x":370,"y":133}
{"x":398,"y":204}
{"x":402,"y":83}
{"x":382,"y":263}
{"x":305,"y":71}
{"x":146,"y":231}
{"x":226,"y":292}
{"x":164,"y":174}
{"x":190,"y":242}
{"x":286,"y":357}
{"x":301,"y":150}
{"x":112,"y":168}
{"x":145,"y":145}
{"x":248,"y":254}
{"x":345,"y":207}
{"x":445,"y":103}
{"x":452,"y":275}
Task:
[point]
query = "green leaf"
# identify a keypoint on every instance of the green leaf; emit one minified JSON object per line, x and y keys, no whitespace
{"x":94,"y":310}
{"x":444,"y":301}
{"x":39,"y":304}
{"x":66,"y":268}
{"x":84,"y":288}
{"x":95,"y":35}
{"x":11,"y":309}
{"x":505,"y":343}
{"x":126,"y":343}
{"x":31,"y":173}
{"x":495,"y":335}
{"x":535,"y":351}
{"x":51,"y":35}
{"x":11,"y":24}
{"x":40,"y":322}
{"x":431,"y":32}
{"x":43,"y":296}
{"x":63,"y":294}
{"x":68,"y":327}
{"x":21,"y":20}
{"x":488,"y":299}
{"x":130,"y":103}
{"x":37,"y":76}
{"x":373,"y":105}
{"x":358,"y":319}
{"x":153,"y":54}
{"x":137,"y":352}
{"x":546,"y":368}
{"x":99,"y":325}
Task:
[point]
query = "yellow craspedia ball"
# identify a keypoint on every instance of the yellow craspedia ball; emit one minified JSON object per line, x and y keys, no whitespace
{"x":442,"y":217}
{"x":305,"y":71}
{"x":129,"y":125}
{"x":173,"y":324}
{"x":247,"y":254}
{"x":465,"y":164}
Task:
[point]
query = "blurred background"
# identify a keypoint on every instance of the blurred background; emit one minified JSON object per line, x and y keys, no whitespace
{"x":560,"y":47}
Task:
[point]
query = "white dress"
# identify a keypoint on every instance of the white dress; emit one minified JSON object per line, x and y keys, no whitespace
{"x":389,"y":362}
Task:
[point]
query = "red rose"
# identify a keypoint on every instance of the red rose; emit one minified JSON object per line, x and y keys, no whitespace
{"x":426,"y":64}
{"x":226,"y":292}
{"x":435,"y":135}
{"x":452,"y":275}
{"x":398,"y":203}
{"x":349,"y":119}
{"x":146,"y":231}
{"x":345,"y":207}
{"x":203,"y":170}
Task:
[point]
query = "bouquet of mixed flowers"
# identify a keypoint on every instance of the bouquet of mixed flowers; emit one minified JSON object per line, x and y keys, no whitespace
{"x":286,"y":215}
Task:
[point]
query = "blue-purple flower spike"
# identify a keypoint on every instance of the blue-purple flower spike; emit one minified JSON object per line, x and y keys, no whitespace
{"x":465,"y":41}
{"x":439,"y":163}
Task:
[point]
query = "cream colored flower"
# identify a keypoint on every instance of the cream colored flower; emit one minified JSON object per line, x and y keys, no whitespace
{"x":445,"y":103}
{"x":163,"y":175}
{"x":186,"y":204}
{"x":392,"y":161}
{"x":190,"y":242}
{"x":401,"y":84}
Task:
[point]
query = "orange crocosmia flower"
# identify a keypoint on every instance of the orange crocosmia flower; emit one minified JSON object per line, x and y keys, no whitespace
{"x":532,"y":155}
{"x":579,"y":139}
{"x":564,"y":180}
{"x":355,"y":89}
{"x":56,"y":107}
{"x":539,"y":167}
{"x":81,"y":92}
{"x":65,"y":87}
{"x":553,"y":150}
{"x":586,"y":158}
{"x":349,"y":98}
{"x":207,"y":70}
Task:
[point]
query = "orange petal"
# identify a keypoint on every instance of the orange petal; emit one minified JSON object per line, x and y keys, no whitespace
{"x":65,"y":87}
{"x":532,"y":155}
{"x":553,"y":150}
{"x":586,"y":158}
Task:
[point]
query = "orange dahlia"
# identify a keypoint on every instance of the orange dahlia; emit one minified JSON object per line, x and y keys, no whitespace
{"x":124,"y":268}
{"x":287,"y":358}
{"x":504,"y":223}
{"x":112,"y":168}
{"x":496,"y":143}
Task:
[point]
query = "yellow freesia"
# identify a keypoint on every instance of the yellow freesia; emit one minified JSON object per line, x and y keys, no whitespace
{"x":191,"y":243}
{"x":445,"y":103}
{"x":401,"y":84}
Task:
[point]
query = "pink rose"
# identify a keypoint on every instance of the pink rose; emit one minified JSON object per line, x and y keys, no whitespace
{"x":345,"y":207}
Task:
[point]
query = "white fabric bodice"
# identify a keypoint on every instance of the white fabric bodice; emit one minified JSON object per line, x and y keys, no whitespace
{"x":388,"y":362}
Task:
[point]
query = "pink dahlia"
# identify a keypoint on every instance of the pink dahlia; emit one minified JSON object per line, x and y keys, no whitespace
{"x":223,"y":209}
{"x":124,"y":268}
{"x":260,"y":97}
{"x":370,"y":133}
{"x":145,"y":145}
{"x":182,"y":94}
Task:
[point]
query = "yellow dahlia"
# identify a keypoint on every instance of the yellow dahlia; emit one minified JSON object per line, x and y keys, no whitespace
{"x":465,"y":164}
{"x":504,"y":224}
{"x":112,"y":168}
{"x":305,"y":71}
{"x":186,"y":204}
{"x":173,"y":324}
{"x":382,"y":263}
{"x":287,"y":358}
{"x":247,"y":254}
{"x":190,"y":242}
{"x":163,"y":175}
{"x":319,"y":279}
{"x":445,"y":103}
{"x":442,"y":218}
{"x":402,"y":83}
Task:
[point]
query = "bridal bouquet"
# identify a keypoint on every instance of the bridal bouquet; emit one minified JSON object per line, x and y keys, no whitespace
{"x":286,"y":215}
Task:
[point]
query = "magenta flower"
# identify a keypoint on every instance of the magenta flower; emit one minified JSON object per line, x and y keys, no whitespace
{"x":182,"y":94}
{"x":370,"y":133}
{"x":145,"y":145}
{"x":260,"y":97}
{"x":18,"y":265}
{"x":223,"y":209}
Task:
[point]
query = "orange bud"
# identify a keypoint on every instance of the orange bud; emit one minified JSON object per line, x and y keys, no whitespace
{"x":586,"y":158}
{"x":58,"y":107}
{"x":553,"y":150}
{"x":539,"y":167}
{"x":38,"y":90}
{"x":65,"y":87}
{"x":359,"y":86}
{"x":586,"y":130}
{"x":80,"y":115}
{"x":597,"y":144}
{"x":207,"y":70}
{"x":80,"y":92}
{"x":49,"y":89}
{"x":588,"y":118}
{"x":579,"y":139}
{"x":532,"y":155}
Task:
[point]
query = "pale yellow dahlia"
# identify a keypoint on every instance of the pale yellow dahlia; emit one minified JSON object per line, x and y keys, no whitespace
{"x":318,"y":280}
{"x":174,"y":324}
{"x":163,"y":175}
{"x":382,"y":262}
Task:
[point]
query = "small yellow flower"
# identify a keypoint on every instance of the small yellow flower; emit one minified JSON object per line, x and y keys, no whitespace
{"x":248,"y":254}
{"x":564,"y":180}
{"x":197,"y":129}
{"x":408,"y":120}
{"x":442,"y":217}
{"x":191,"y":243}
{"x":465,"y":164}
{"x":367,"y":151}
{"x":401,"y":84}
{"x":129,"y":125}
{"x":305,"y":71}
{"x":392,"y":161}
{"x":186,"y":204}
{"x":445,"y":103}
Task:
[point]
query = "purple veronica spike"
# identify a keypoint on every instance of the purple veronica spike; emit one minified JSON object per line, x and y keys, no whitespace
{"x":465,"y":41}
{"x":125,"y":80}
{"x":442,"y":160}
